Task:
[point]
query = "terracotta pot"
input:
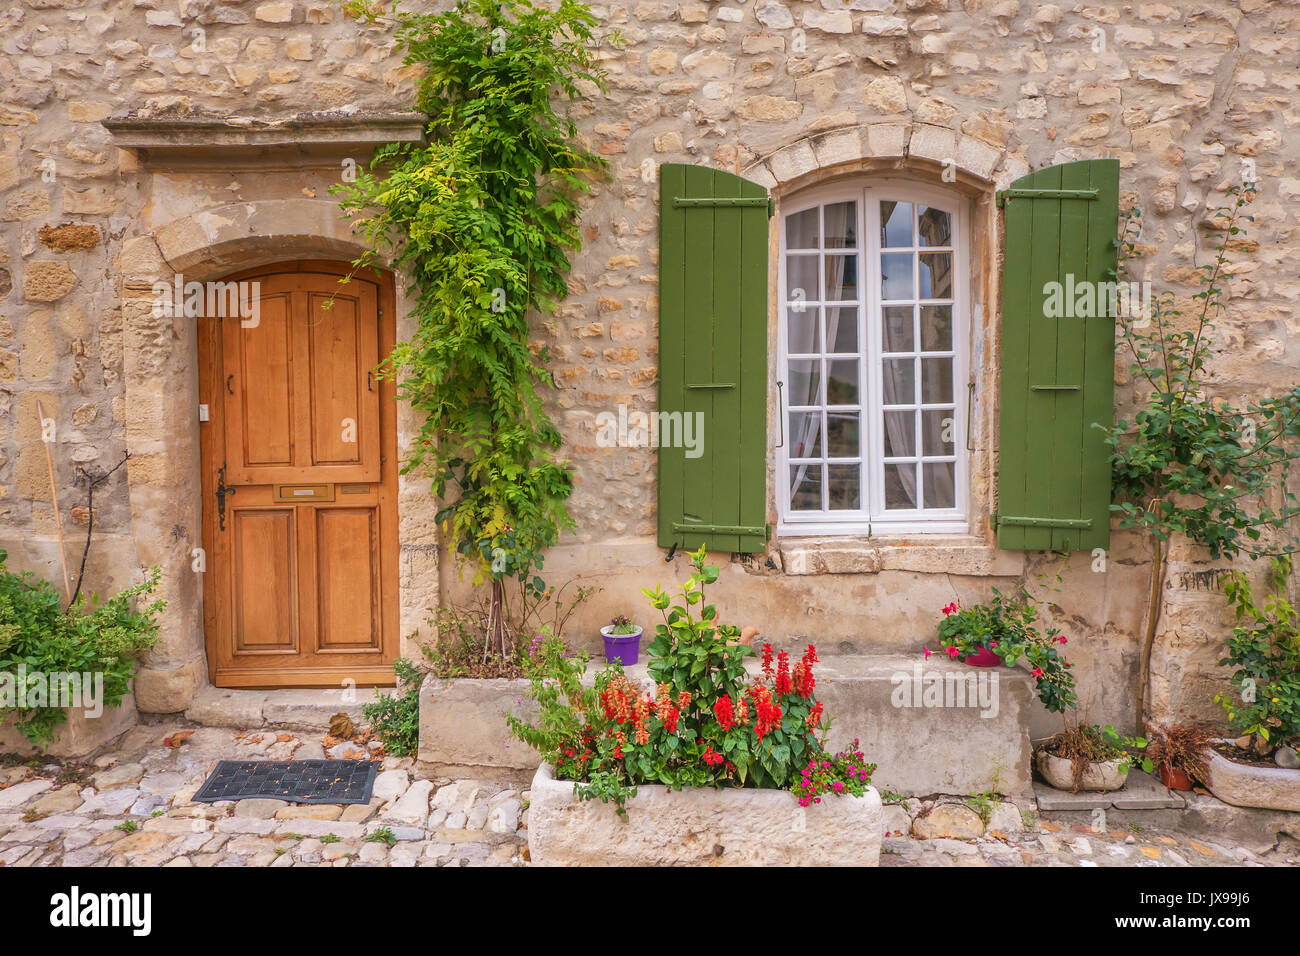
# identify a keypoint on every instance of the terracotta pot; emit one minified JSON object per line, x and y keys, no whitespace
{"x":1176,"y":778}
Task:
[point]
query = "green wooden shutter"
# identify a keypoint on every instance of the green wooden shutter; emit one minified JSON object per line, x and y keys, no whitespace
{"x":1058,"y":373}
{"x":713,"y":358}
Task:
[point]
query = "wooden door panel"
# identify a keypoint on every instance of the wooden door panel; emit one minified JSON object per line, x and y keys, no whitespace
{"x":263,"y":563}
{"x":342,"y":354}
{"x":301,"y":593}
{"x":347,"y":575}
{"x":259,"y":359}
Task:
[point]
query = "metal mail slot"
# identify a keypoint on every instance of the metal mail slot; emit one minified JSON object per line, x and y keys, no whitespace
{"x":302,"y":492}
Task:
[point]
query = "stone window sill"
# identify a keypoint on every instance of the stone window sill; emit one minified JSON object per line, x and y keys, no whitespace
{"x":953,"y":554}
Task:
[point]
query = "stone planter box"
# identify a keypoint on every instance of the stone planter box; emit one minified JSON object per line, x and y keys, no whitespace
{"x":1098,"y":776}
{"x":701,"y":827}
{"x":463,"y":725}
{"x":77,"y":736}
{"x":1270,"y":788}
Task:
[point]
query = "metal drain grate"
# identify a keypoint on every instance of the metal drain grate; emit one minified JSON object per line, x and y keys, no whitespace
{"x":297,"y":781}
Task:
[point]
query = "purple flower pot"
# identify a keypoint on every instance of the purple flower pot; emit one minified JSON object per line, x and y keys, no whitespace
{"x":621,"y":648}
{"x":984,"y":657}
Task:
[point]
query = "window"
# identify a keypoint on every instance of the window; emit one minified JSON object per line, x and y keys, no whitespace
{"x":873,"y":362}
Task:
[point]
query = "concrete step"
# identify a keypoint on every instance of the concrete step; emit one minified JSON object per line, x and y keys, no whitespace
{"x":307,"y":709}
{"x":930,"y":727}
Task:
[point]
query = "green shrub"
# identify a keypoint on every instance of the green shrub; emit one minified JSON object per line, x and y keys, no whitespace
{"x":38,"y":637}
{"x":397,"y":719}
{"x":1264,"y":654}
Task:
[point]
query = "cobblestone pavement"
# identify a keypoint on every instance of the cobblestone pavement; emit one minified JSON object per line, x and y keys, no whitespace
{"x":133,"y":807}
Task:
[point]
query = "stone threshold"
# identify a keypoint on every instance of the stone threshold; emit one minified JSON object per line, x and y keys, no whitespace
{"x":302,"y":709}
{"x":1141,"y":791}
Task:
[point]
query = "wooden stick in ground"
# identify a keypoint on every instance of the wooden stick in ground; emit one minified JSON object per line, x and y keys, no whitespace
{"x":54,"y":497}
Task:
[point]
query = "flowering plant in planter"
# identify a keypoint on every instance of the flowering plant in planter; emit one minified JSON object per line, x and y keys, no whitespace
{"x":706,"y":723}
{"x":1007,"y":627}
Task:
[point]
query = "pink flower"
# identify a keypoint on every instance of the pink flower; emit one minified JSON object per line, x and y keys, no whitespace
{"x":950,"y":609}
{"x":927,"y":652}
{"x":1037,"y":672}
{"x":953,"y":652}
{"x":1060,"y":639}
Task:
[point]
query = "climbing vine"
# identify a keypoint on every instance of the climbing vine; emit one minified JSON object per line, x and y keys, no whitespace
{"x":1189,"y":464}
{"x":483,"y":218}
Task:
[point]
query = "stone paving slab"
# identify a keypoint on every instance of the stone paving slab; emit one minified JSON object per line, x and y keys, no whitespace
{"x":1141,"y":791}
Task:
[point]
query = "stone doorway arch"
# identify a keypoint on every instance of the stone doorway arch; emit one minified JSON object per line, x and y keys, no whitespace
{"x":160,"y":415}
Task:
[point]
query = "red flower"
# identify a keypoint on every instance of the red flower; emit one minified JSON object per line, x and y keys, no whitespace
{"x":951,"y":609}
{"x":927,"y":652}
{"x":783,"y":684}
{"x":767,"y":660}
{"x":1037,"y":672}
{"x":724,"y":712}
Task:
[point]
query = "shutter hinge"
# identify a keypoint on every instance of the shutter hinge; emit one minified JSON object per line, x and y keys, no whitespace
{"x":719,"y":201}
{"x":720,"y":528}
{"x":1004,"y":194}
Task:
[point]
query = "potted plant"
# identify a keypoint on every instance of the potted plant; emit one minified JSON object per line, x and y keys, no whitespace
{"x":622,"y":641}
{"x":1088,"y":757}
{"x":1179,"y":752}
{"x":1004,"y":631}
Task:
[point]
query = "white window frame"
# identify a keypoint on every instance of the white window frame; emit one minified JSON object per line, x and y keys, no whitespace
{"x":873,"y":519}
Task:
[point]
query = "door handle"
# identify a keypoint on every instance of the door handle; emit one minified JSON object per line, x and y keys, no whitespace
{"x":780,"y":411}
{"x":221,"y":492}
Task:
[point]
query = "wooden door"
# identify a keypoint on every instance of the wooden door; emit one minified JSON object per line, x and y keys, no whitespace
{"x":299,"y":482}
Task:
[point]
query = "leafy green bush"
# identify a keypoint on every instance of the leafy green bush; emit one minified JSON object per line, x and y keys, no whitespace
{"x":397,"y":719}
{"x":39,"y":638}
{"x":1264,"y":653}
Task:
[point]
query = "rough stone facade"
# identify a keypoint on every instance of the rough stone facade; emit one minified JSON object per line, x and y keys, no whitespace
{"x":1189,"y":96}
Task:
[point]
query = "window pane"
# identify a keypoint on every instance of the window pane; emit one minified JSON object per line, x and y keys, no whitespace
{"x":936,"y":380}
{"x":841,"y":278}
{"x":805,"y":382}
{"x":895,"y":223}
{"x":842,"y":225}
{"x":938,"y":428}
{"x":805,"y":434}
{"x":801,"y":230}
{"x":801,"y":278}
{"x":842,"y":382}
{"x":898,"y":381}
{"x":900,"y":434}
{"x":940,"y":490}
{"x":936,"y":328}
{"x":900,"y":486}
{"x":842,"y":329}
{"x":845,"y":486}
{"x":936,"y":275}
{"x":806,"y":487}
{"x":842,"y":434}
{"x":801,"y":330}
{"x":896,"y":334}
{"x":935,"y":227}
{"x":896,"y":276}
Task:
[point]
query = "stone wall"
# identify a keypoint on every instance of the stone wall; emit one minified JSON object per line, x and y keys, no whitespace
{"x":787,"y":94}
